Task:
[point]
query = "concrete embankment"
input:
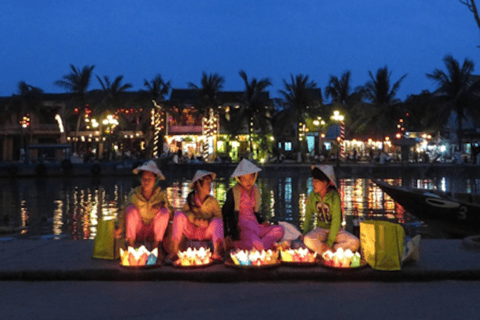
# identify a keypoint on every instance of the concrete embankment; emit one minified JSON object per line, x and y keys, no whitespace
{"x":49,"y":260}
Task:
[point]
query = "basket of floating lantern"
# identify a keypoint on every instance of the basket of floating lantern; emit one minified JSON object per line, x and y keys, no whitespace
{"x":192,"y":258}
{"x":138,"y":258}
{"x":298,"y":257}
{"x":341,"y":259}
{"x":253,"y":259}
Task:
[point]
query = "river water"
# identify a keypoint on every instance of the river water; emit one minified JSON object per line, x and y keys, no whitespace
{"x":69,"y":208}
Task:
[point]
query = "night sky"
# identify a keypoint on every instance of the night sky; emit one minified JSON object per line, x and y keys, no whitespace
{"x":180,"y":39}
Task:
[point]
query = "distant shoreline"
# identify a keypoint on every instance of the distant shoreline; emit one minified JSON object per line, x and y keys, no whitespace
{"x":343,"y":170}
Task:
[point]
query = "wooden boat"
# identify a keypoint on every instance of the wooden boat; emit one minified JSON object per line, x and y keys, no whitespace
{"x":454,"y":214}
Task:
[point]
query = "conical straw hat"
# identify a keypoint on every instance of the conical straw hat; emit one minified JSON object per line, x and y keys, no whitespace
{"x":328,"y":171}
{"x":201,"y":174}
{"x":152,"y":167}
{"x":245,"y":167}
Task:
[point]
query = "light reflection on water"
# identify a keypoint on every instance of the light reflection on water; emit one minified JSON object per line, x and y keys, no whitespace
{"x":72,"y":207}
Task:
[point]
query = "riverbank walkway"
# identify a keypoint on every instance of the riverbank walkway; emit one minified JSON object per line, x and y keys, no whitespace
{"x":71,"y":260}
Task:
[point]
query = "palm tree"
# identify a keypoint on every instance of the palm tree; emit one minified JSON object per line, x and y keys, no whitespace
{"x":77,"y":83}
{"x":113,"y":94}
{"x":157,"y":89}
{"x":254,"y":108}
{"x":113,"y":98}
{"x":27,"y":101}
{"x":210,"y":87}
{"x":154,"y":97}
{"x":457,"y":89}
{"x":301,"y":99}
{"x":380,"y":116}
{"x":339,"y":90}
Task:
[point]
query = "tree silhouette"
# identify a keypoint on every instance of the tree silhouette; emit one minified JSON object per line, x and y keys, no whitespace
{"x":381,"y":114}
{"x":458,"y":89}
{"x":28,"y":100}
{"x":76,"y":82}
{"x":301,"y":98}
{"x":254,"y":107}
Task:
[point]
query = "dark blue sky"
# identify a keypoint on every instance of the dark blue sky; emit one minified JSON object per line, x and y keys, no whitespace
{"x":179,"y":39}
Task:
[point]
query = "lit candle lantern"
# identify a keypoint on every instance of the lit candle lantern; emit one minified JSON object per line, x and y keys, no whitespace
{"x":194,"y":257}
{"x":254,"y":257}
{"x":298,"y":255}
{"x":341,"y":259}
{"x":138,"y":257}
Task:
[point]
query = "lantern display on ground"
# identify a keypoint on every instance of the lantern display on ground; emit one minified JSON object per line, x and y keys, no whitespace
{"x":138,"y":257}
{"x":301,"y":255}
{"x":341,"y":258}
{"x":194,"y":257}
{"x":254,"y":257}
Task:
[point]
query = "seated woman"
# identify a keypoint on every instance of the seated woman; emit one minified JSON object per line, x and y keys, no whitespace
{"x":243,"y":227}
{"x":147,"y":210}
{"x":202,"y":216}
{"x":325,"y":207}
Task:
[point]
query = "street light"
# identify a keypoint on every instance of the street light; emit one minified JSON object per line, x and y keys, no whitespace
{"x":319,"y":123}
{"x":340,"y":118}
{"x":110,"y":122}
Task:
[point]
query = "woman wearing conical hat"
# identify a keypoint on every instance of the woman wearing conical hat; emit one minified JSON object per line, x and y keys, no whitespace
{"x":147,"y":210}
{"x":324,"y":210}
{"x":244,"y":228}
{"x":202,"y":216}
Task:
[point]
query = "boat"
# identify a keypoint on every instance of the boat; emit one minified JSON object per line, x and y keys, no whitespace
{"x":456,"y":215}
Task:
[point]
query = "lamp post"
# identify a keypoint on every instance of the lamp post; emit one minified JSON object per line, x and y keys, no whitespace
{"x":110,"y":122}
{"x":340,"y":118}
{"x":319,"y":123}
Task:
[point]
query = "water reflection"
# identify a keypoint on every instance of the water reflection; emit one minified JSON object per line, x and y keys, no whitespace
{"x":72,"y":207}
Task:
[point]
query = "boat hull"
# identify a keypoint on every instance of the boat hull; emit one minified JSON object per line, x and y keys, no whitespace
{"x":451,"y":216}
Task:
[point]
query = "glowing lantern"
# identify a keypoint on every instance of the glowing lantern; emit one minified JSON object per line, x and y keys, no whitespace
{"x":194,"y":257}
{"x":138,"y":257}
{"x":298,"y":255}
{"x":341,"y":259}
{"x":254,"y":257}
